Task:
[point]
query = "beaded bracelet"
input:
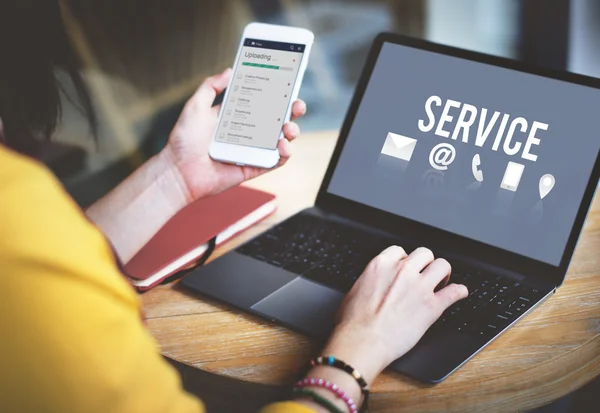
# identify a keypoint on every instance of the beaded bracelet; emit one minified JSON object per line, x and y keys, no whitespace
{"x":334,"y":388}
{"x":339,"y":364}
{"x":317,"y":398}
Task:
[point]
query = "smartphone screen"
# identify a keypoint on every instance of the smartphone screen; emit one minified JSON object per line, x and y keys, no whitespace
{"x":260,"y":93}
{"x":512,"y":176}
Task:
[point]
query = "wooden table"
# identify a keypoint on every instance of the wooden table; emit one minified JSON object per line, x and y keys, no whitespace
{"x":552,"y":352}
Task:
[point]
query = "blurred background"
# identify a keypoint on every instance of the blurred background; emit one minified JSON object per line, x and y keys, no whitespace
{"x":143,"y":58}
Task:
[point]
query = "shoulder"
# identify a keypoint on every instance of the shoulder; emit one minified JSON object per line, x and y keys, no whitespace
{"x":15,"y":168}
{"x":40,"y":223}
{"x":24,"y":179}
{"x":34,"y":204}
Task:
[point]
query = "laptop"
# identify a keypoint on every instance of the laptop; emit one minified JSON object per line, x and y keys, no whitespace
{"x":489,"y":162}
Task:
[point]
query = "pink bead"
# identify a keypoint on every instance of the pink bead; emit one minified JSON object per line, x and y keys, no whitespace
{"x":331,"y":387}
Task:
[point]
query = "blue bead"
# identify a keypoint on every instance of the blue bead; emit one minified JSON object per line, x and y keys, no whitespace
{"x":331,"y":360}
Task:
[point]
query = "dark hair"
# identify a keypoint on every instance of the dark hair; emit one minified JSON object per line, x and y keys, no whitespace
{"x":33,"y":46}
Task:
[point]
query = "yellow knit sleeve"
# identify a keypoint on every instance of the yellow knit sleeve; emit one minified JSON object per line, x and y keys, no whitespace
{"x":287,"y":407}
{"x":72,"y":335}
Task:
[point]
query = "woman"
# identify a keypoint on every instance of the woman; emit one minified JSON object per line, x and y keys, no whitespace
{"x":72,"y":333}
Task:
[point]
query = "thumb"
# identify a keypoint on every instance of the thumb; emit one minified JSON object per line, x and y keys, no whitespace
{"x":211,"y":87}
{"x":451,"y":294}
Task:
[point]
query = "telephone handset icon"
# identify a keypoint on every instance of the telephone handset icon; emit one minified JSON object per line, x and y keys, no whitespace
{"x":477,"y":173}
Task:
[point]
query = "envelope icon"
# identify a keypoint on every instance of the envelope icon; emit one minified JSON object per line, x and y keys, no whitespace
{"x":398,"y":146}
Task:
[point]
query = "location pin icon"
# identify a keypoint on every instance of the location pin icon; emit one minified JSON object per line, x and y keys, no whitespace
{"x":546,"y":184}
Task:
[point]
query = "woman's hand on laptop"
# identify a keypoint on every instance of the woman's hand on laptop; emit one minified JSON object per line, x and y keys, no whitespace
{"x":390,"y":307}
{"x":384,"y":315}
{"x":187,"y":148}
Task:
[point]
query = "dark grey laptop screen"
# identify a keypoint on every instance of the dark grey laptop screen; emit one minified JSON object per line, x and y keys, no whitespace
{"x":492,"y":154}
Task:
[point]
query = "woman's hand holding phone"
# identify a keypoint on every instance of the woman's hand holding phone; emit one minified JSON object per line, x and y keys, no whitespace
{"x":189,"y":142}
{"x":181,"y":173}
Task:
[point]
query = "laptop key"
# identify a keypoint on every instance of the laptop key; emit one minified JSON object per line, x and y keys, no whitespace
{"x":452,"y":312}
{"x":521,"y":309}
{"x":487,"y":330}
{"x":319,"y":275}
{"x":276,"y":263}
{"x":466,"y":326}
{"x":300,"y":266}
{"x":509,"y":314}
{"x":499,"y":320}
{"x":503,"y":318}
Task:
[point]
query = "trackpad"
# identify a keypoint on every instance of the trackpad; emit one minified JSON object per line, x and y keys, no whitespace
{"x":304,"y":306}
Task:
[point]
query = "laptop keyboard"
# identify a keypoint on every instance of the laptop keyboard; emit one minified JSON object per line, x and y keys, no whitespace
{"x":493,"y":303}
{"x":326,"y":252}
{"x":336,"y":255}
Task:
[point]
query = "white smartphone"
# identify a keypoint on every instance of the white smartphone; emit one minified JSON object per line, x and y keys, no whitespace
{"x":267,"y":74}
{"x":512,"y":176}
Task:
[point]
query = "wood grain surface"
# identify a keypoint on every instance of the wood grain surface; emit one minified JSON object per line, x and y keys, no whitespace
{"x":552,"y":352}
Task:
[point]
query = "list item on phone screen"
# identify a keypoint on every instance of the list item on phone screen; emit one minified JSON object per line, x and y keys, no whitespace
{"x":259,"y":96}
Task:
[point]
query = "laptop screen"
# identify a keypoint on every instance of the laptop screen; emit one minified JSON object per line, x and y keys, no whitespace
{"x":492,"y":154}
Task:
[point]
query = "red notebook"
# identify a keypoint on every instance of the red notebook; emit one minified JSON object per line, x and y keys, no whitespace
{"x":184,"y":239}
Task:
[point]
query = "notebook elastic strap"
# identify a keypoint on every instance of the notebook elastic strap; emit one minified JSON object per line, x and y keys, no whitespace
{"x":211,"y":247}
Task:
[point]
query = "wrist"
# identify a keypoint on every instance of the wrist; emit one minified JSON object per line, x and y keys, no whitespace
{"x":355,"y":351}
{"x":178,"y":184}
{"x":135,"y":210}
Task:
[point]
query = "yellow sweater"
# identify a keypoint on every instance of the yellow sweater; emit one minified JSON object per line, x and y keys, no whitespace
{"x":71,"y":335}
